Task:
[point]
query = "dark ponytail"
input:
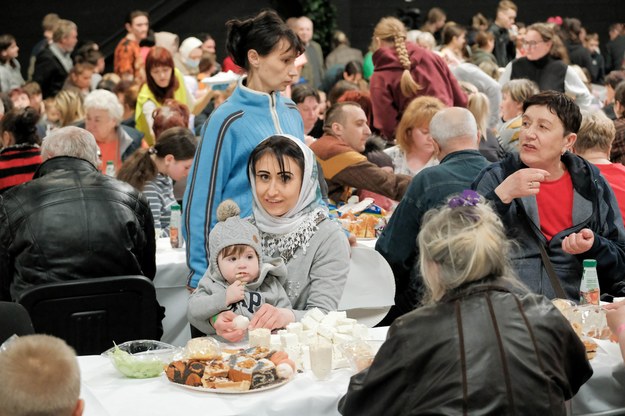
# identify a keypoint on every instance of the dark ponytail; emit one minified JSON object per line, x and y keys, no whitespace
{"x":261,"y":33}
{"x":139,"y":168}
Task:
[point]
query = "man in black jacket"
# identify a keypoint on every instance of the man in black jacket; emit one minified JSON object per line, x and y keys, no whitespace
{"x":54,"y":62}
{"x":71,"y":221}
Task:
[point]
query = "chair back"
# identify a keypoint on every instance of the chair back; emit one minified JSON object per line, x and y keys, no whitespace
{"x":91,"y":314}
{"x":14,"y":320}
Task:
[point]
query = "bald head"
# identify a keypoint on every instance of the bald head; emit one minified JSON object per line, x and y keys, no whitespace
{"x":454,"y":127}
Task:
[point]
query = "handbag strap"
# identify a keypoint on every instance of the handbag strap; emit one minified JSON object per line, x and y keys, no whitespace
{"x":555,"y":282}
{"x":553,"y":277}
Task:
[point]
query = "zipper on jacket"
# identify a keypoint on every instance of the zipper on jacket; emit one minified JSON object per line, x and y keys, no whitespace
{"x":274,"y":112}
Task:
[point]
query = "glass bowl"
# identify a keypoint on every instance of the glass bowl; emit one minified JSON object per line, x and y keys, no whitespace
{"x":360,"y":353}
{"x":141,"y":358}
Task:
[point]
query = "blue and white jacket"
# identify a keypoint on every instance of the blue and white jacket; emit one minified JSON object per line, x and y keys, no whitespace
{"x":219,"y":170}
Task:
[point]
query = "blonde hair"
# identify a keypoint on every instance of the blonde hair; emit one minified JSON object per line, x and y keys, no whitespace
{"x":460,"y":245}
{"x":478,"y":104}
{"x":40,"y":375}
{"x":520,"y":89}
{"x":391,"y":29}
{"x":417,"y":114}
{"x":596,"y":132}
{"x":70,"y":105}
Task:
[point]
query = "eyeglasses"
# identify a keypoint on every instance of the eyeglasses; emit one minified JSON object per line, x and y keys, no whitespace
{"x":532,"y":43}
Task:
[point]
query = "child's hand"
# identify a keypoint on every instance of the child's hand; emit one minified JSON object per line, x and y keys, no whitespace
{"x":235,"y":292}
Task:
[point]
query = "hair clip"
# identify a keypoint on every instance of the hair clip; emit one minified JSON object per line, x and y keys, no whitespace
{"x":468,"y":198}
{"x":152,"y":151}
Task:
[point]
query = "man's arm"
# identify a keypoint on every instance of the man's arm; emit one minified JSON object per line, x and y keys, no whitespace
{"x":398,"y":242}
{"x":366,"y":175}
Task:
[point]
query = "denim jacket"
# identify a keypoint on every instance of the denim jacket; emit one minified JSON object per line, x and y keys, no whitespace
{"x":428,"y":189}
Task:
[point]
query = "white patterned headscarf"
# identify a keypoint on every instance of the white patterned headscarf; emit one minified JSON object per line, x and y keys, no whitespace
{"x":292,"y":230}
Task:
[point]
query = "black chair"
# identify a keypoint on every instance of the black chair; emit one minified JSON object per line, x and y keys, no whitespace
{"x":91,"y":314}
{"x":14,"y":320}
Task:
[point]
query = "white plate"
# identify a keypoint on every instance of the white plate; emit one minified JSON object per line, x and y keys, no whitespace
{"x":218,"y":391}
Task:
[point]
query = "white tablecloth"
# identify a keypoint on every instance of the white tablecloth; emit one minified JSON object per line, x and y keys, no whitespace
{"x":107,"y":393}
{"x":170,"y":282}
{"x":605,"y":391}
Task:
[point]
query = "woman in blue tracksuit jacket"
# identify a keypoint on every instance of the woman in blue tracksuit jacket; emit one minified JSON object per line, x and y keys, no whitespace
{"x":266,"y":48}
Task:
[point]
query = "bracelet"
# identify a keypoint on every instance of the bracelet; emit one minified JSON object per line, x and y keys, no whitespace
{"x":213,"y":319}
{"x":620,"y":329}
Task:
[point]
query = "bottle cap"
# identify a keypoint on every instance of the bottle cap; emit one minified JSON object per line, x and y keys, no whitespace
{"x":590,"y":263}
{"x":110,"y":162}
{"x":175,"y":207}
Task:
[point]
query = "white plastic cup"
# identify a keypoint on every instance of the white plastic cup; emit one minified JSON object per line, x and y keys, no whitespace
{"x":321,"y":360}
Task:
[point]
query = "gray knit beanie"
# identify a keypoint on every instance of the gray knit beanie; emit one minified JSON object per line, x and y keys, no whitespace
{"x":231,"y":230}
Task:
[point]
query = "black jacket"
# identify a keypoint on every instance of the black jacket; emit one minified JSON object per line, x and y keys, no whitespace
{"x":72,"y":222}
{"x":49,"y":73}
{"x":481,"y":351}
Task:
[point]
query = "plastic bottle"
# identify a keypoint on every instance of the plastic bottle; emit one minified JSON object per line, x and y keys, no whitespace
{"x":174,"y":227}
{"x":110,"y":168}
{"x":589,"y":287}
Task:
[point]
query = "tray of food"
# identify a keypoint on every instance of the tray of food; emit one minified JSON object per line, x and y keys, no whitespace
{"x":206,"y":368}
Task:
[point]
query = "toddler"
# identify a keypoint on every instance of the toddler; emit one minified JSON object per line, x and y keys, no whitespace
{"x":236,"y":279}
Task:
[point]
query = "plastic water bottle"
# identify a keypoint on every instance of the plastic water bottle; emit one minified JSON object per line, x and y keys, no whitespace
{"x":174,"y":227}
{"x":589,"y":287}
{"x":110,"y":168}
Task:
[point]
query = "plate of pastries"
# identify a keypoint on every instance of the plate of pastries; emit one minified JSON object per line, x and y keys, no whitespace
{"x":205,"y":367}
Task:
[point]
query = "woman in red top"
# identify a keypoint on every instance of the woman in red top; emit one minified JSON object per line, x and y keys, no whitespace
{"x":404,"y":71}
{"x":20,"y":156}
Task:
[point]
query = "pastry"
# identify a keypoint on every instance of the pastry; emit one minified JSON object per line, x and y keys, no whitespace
{"x":189,"y":372}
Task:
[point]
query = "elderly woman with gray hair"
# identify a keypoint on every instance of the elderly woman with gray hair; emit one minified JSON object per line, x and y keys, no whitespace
{"x":103,"y":119}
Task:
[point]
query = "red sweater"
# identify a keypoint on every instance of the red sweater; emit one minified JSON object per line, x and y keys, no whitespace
{"x":18,"y":164}
{"x":429,"y":71}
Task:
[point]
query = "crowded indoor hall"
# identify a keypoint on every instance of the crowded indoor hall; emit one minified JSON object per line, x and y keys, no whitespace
{"x":347,"y":208}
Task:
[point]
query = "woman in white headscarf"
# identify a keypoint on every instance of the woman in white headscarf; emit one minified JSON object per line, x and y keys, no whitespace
{"x":295,"y":226}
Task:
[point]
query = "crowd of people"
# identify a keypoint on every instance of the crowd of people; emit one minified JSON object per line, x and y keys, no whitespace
{"x":498,"y":147}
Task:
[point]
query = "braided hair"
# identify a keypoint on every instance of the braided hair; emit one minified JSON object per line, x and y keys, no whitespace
{"x":393,"y":30}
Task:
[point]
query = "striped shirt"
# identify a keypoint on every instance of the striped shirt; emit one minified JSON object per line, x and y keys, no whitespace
{"x":18,"y":163}
{"x":160,"y":195}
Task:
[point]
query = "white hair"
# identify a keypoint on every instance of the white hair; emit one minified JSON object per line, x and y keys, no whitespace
{"x":104,"y":100}
{"x":70,"y":141}
{"x":452,"y":123}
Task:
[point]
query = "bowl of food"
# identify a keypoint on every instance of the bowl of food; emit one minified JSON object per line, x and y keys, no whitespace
{"x":141,"y":358}
{"x":360,"y":353}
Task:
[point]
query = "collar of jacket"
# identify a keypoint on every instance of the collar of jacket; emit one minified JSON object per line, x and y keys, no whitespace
{"x":68,"y":163}
{"x":485,"y":284}
{"x":583,"y":174}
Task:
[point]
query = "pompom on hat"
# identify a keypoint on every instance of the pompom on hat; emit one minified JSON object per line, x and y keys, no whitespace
{"x":232,"y":230}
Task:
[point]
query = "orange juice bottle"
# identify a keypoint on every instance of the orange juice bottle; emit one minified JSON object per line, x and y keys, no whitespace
{"x":589,"y":287}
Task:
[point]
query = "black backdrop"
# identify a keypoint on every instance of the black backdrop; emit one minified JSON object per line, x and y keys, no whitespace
{"x":102,"y":21}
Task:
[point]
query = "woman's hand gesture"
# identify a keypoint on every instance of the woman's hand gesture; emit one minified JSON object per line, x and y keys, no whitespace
{"x":523,"y":182}
{"x":270,"y":317}
{"x":578,"y":243}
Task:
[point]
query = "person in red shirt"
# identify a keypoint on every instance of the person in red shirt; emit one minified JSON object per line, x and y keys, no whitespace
{"x":549,"y":197}
{"x":127,"y":59}
{"x":20,"y":157}
{"x":594,"y":141}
